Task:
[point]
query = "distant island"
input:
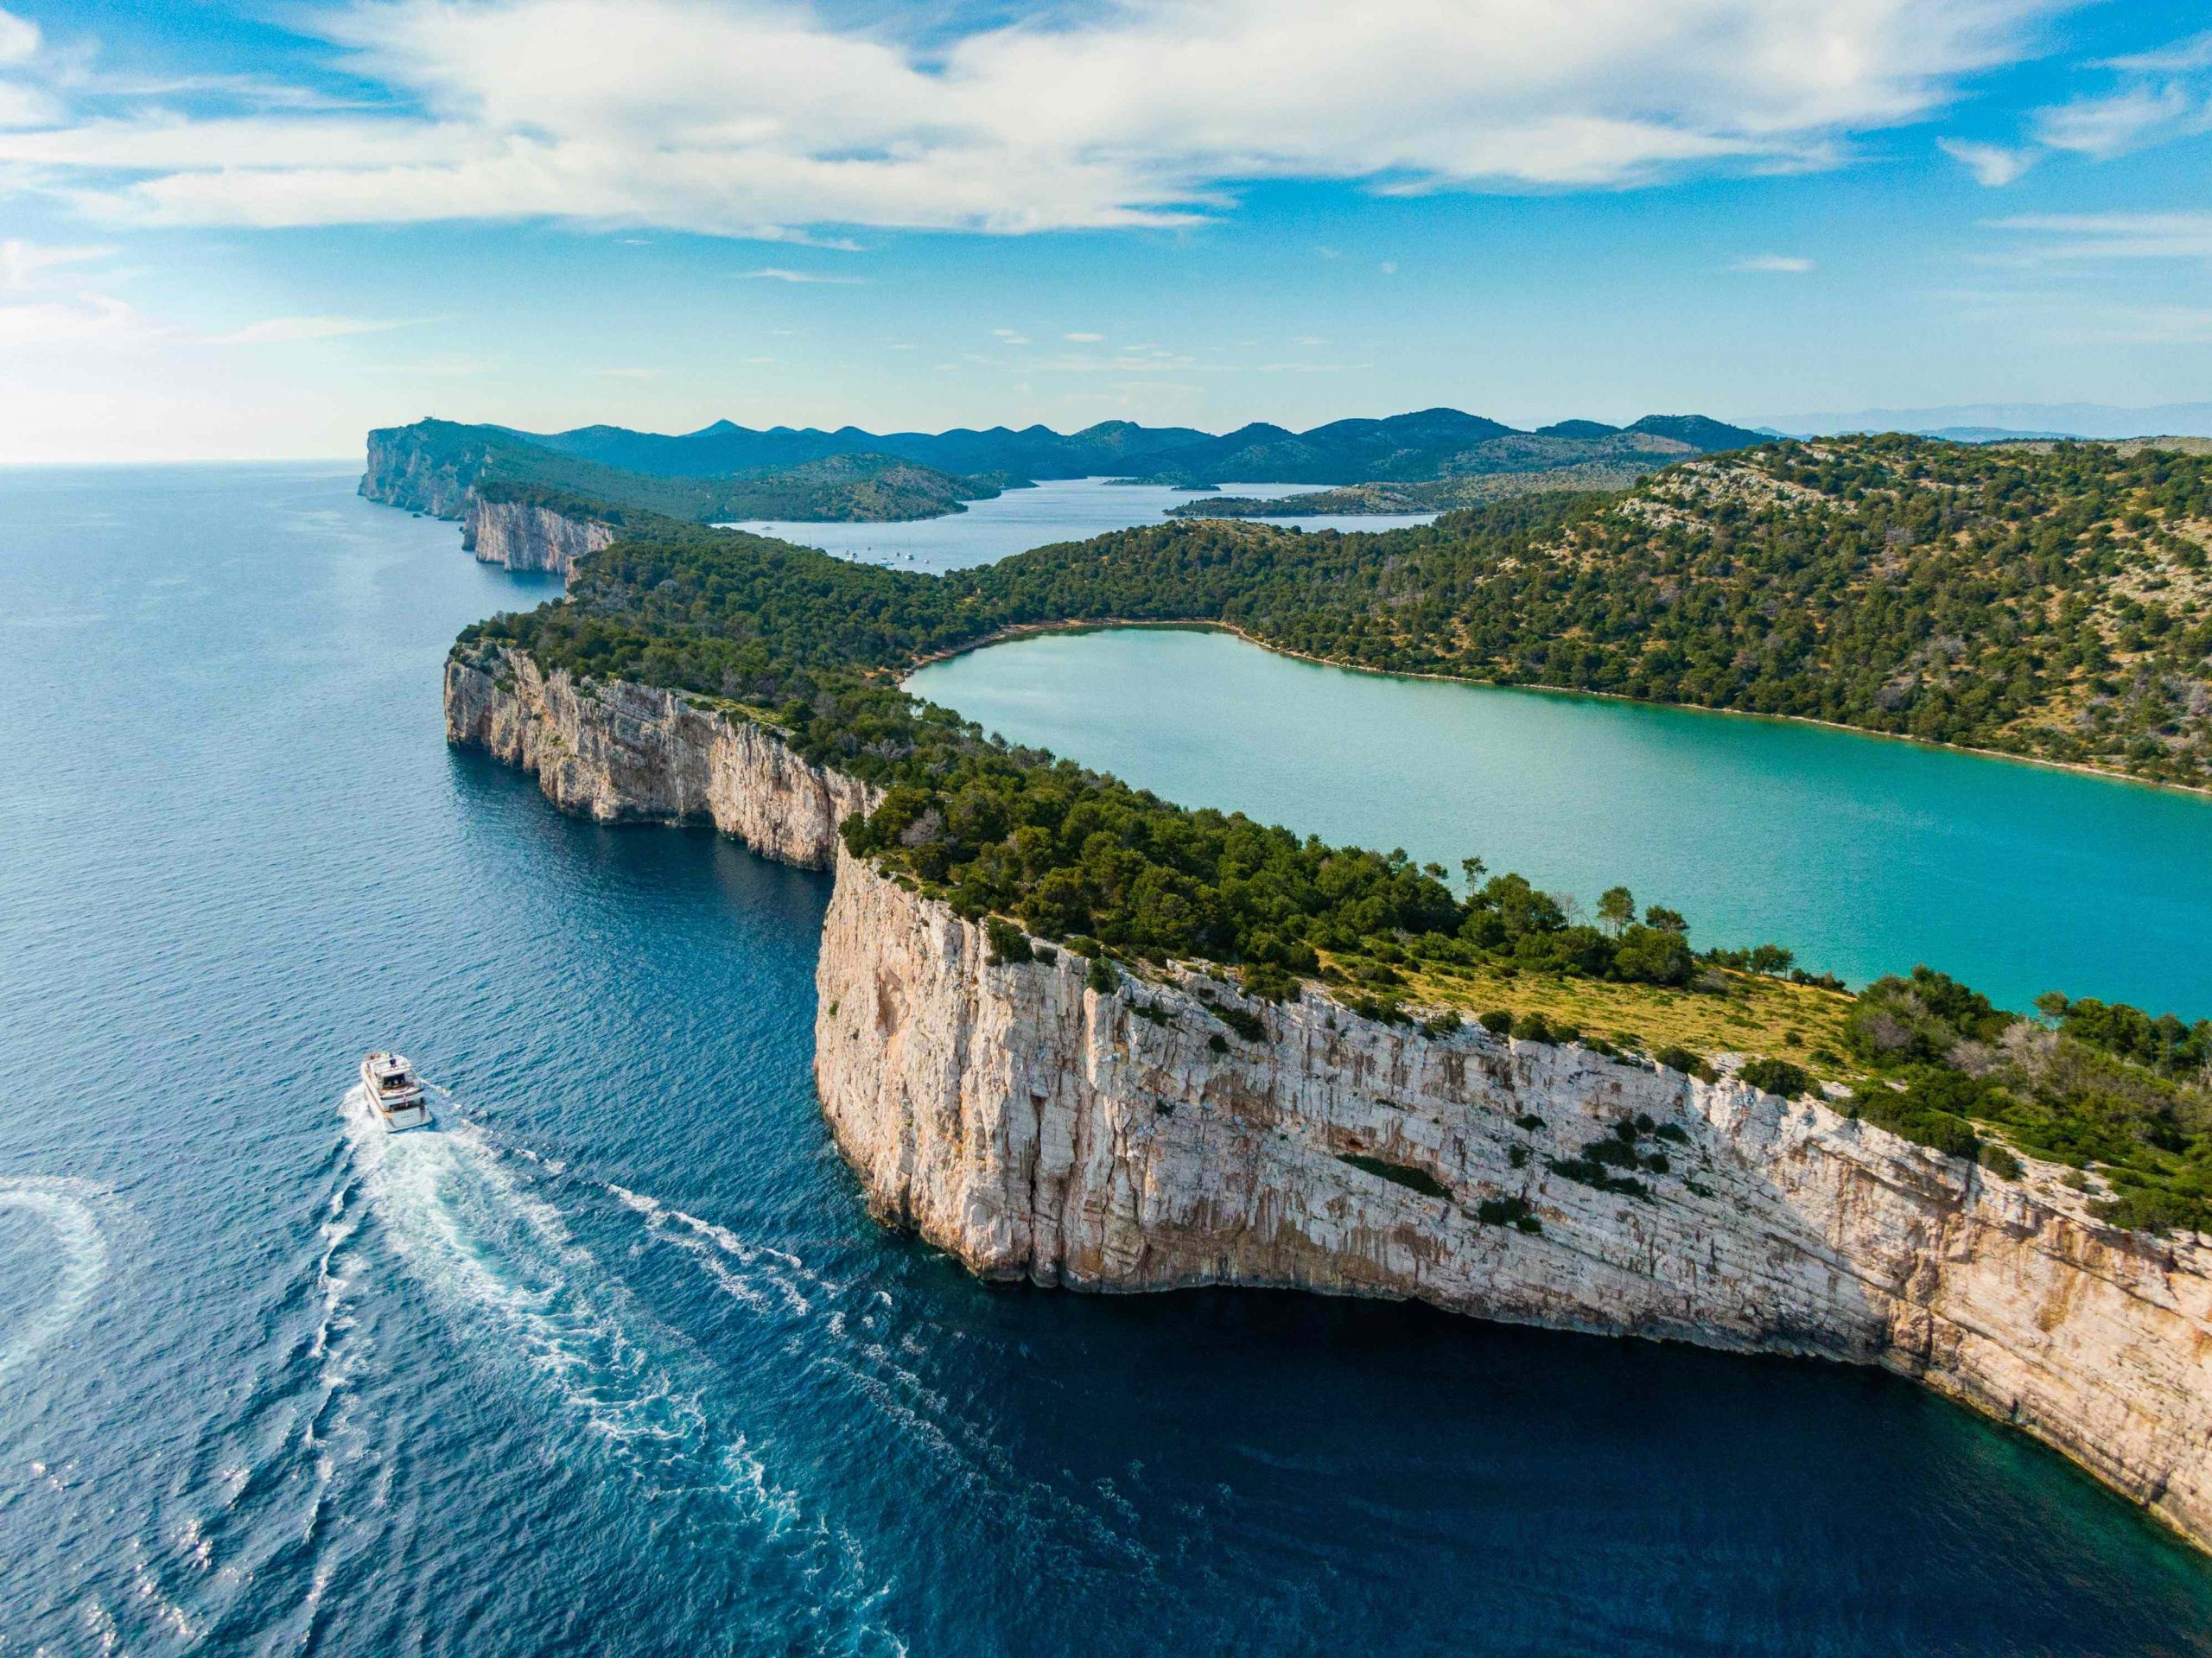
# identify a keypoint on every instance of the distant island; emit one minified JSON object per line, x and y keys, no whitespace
{"x":728,"y":473}
{"x":434,"y":465}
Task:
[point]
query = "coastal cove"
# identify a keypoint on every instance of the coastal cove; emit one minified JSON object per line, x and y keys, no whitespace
{"x":1863,"y":854}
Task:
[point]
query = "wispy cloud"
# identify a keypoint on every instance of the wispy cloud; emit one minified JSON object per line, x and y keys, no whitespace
{"x":2158,"y":96}
{"x":285,"y":330}
{"x":2193,"y":52}
{"x":1780,"y":264}
{"x":26,"y":264}
{"x":2122,"y":122}
{"x":733,"y":117}
{"x":1083,"y":339}
{"x":780,"y":273}
{"x":1994,"y":165}
{"x":631,"y":373}
{"x":2184,"y":235}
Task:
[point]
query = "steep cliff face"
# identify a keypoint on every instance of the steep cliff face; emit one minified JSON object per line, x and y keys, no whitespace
{"x":523,"y":536}
{"x":615,"y":752}
{"x":1034,"y":1127}
{"x":405,"y":473}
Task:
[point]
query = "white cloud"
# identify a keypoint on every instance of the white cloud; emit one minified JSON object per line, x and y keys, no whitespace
{"x":2102,"y":128}
{"x":79,"y":320}
{"x":631,"y":373}
{"x":19,"y":38}
{"x":1085,"y":339}
{"x":2184,"y":235}
{"x":1389,"y":267}
{"x":2194,"y":53}
{"x":778,"y":273}
{"x":1784,"y":264}
{"x":1991,"y":164}
{"x":755,"y":117}
{"x":25,"y":265}
{"x":285,"y":330}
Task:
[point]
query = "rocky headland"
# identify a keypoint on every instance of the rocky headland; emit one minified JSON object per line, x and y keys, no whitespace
{"x":1171,"y":1131}
{"x":526,"y":535}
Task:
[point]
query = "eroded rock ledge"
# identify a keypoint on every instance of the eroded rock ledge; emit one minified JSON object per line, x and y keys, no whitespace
{"x":615,"y":752}
{"x":1036,"y":1128}
{"x":526,"y":535}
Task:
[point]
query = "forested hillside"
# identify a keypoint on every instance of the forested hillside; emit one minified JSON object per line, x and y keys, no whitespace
{"x":425,"y":465}
{"x":2053,"y":603}
{"x":431,"y":466}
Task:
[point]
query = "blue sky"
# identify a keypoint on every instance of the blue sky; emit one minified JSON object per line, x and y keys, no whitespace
{"x":256,"y":230}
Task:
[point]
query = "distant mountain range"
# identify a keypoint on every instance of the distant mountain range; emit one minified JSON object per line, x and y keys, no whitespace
{"x":1423,"y":445}
{"x":434,"y":466}
{"x":430,"y":465}
{"x":1982,"y":422}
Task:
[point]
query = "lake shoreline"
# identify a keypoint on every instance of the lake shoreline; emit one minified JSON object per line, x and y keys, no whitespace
{"x":1026,"y":629}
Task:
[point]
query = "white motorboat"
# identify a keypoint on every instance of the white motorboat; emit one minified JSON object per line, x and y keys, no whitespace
{"x":394,"y":1092}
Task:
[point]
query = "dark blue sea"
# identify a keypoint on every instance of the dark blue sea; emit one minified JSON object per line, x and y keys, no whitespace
{"x":616,"y":1363}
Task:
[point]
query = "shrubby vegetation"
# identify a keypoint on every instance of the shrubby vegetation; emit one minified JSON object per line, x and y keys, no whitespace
{"x":2110,"y":1087}
{"x":1952,"y":593}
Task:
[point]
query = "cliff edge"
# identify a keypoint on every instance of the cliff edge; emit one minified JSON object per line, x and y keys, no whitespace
{"x":524,"y":535}
{"x":615,"y":752}
{"x":1172,"y":1131}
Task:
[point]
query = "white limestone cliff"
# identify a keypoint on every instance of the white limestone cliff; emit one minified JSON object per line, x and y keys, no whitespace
{"x":1034,"y":1127}
{"x":615,"y":752}
{"x":526,"y":535}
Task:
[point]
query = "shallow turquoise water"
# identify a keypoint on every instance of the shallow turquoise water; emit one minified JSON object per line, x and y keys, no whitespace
{"x":1864,"y":855}
{"x":1062,"y":509}
{"x":617,"y":1364}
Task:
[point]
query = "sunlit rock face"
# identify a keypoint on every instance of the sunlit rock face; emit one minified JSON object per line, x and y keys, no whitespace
{"x":520,"y":536}
{"x":1034,"y":1126}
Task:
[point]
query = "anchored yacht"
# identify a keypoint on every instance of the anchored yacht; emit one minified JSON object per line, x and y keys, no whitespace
{"x":394,"y":1092}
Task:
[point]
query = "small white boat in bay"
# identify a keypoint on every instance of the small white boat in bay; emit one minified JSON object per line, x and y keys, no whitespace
{"x":394,"y":1092}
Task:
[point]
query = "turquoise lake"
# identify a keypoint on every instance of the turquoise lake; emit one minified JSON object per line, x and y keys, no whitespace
{"x":1864,"y":855}
{"x":615,"y":1364}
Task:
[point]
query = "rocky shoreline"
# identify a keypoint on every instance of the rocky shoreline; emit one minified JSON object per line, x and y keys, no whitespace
{"x":1172,"y":1132}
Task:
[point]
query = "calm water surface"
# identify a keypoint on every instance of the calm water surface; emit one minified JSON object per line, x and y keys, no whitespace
{"x":616,"y":1364}
{"x":1864,"y":855}
{"x":1067,"y":509}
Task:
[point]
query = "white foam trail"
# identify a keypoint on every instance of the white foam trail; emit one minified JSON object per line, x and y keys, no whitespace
{"x":767,"y":1287}
{"x":466,"y":1223}
{"x":67,"y":1207}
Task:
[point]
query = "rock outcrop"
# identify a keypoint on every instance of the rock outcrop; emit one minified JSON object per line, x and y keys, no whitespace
{"x":615,"y":752}
{"x":528,"y":536}
{"x":1035,"y":1126}
{"x":405,"y":473}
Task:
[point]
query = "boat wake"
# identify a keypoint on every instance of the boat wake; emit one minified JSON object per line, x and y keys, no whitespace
{"x":476,"y":1225}
{"x":848,"y":1331}
{"x":71,"y":1211}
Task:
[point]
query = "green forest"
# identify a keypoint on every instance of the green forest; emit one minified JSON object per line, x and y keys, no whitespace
{"x":2006,"y":599}
{"x":840,"y":488}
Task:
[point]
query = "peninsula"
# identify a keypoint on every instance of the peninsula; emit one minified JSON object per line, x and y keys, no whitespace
{"x":1070,"y":1033}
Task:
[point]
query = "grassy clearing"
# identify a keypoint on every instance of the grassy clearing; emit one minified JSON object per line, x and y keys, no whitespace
{"x":1727,"y":1012}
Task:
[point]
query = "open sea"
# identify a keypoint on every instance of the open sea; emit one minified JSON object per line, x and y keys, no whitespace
{"x":615,"y":1363}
